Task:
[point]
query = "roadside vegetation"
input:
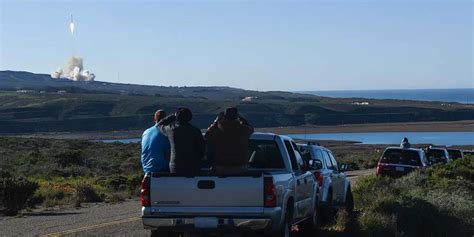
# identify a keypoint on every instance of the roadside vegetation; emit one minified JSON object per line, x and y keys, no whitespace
{"x":51,"y":173}
{"x":437,"y":201}
{"x":64,"y":173}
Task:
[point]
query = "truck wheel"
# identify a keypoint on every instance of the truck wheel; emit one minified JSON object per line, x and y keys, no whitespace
{"x":328,"y":211}
{"x":349,"y":201}
{"x":311,"y":225}
{"x":285,"y":229}
{"x":157,"y":233}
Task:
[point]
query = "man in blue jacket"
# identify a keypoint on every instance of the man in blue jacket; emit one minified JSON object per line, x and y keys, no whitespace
{"x":155,"y":147}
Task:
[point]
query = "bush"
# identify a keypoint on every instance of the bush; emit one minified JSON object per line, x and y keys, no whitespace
{"x":14,"y":193}
{"x":50,"y":195}
{"x":432,"y":202}
{"x":377,"y":224}
{"x":114,"y":182}
{"x":114,"y":197}
{"x":85,"y":193}
{"x":70,"y":158}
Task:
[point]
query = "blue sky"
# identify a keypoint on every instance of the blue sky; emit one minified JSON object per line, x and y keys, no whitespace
{"x":264,"y":45}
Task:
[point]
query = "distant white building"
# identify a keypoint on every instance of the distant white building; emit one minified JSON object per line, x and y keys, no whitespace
{"x":24,"y":91}
{"x":361,"y":103}
{"x":249,"y":99}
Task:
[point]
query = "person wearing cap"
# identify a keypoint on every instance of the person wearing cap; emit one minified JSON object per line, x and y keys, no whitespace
{"x":229,"y":137}
{"x":187,"y":143}
{"x":405,"y":144}
{"x":155,"y":147}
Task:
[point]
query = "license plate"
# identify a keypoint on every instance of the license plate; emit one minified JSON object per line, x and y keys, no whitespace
{"x":401,"y":169}
{"x":205,"y":222}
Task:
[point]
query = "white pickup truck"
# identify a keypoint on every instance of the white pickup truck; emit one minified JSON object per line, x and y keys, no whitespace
{"x":276,"y":193}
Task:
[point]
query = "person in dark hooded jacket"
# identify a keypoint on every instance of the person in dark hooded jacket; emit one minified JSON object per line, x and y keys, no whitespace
{"x":187,"y":143}
{"x":229,"y":137}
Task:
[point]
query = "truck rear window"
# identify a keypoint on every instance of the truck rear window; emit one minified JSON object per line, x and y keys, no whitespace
{"x":265,"y":154}
{"x":436,"y":153}
{"x":455,"y":154}
{"x":403,"y":157}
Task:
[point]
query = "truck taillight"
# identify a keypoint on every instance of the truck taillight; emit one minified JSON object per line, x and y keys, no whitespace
{"x":145,"y":191}
{"x":380,"y":168}
{"x":319,"y":178}
{"x":270,"y":192}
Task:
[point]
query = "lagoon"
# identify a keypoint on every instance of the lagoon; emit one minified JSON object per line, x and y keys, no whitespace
{"x":435,"y":138}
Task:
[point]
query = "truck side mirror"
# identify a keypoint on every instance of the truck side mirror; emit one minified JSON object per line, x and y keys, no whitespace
{"x":343,"y":167}
{"x":315,"y":164}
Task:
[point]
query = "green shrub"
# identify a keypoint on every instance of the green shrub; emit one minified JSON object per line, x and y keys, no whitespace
{"x":85,"y":193}
{"x":14,"y":193}
{"x":49,"y":196}
{"x":114,"y":197}
{"x":433,"y":202}
{"x":377,"y":224}
{"x":70,"y":158}
{"x":114,"y":182}
{"x":133,"y":183}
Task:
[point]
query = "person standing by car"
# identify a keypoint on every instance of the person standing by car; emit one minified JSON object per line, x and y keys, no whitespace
{"x":405,"y":144}
{"x":155,"y":147}
{"x":187,"y":143}
{"x":228,"y":137}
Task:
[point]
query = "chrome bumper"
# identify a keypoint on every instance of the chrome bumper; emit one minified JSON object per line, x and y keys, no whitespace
{"x":179,"y":224}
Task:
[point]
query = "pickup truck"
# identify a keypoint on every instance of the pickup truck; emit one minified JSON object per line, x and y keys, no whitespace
{"x":275,"y":193}
{"x":334,"y":186}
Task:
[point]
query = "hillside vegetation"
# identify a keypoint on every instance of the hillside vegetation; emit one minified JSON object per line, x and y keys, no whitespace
{"x":99,"y":106}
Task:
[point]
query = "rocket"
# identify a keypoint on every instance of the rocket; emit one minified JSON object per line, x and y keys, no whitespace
{"x":71,"y":25}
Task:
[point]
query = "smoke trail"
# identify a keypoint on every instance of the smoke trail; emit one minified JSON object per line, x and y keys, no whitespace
{"x":73,"y":70}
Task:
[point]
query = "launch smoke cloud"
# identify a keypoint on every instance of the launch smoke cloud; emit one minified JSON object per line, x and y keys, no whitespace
{"x":73,"y":70}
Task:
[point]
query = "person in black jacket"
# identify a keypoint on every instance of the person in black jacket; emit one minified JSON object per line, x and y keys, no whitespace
{"x":187,"y":142}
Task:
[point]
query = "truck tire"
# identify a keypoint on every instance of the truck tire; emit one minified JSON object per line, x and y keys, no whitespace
{"x":285,"y":229}
{"x":349,"y":205}
{"x":157,"y":233}
{"x":328,"y":212}
{"x":311,"y":225}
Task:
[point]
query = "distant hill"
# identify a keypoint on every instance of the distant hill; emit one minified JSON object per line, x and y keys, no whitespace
{"x":18,"y":80}
{"x":32,"y":103}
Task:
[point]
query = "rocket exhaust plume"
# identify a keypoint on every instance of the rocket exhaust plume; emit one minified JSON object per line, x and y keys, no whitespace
{"x":71,"y":25}
{"x":73,"y":70}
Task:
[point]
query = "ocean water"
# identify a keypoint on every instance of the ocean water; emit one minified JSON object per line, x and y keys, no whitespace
{"x":435,"y":138}
{"x":465,"y":96}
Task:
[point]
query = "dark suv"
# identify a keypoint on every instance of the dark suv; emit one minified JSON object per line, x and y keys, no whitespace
{"x":455,"y":154}
{"x":397,"y":161}
{"x":437,"y":155}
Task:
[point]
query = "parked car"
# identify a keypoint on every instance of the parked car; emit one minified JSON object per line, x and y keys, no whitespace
{"x":276,"y":193}
{"x":455,"y":154}
{"x":437,"y":155}
{"x":396,"y":161}
{"x":334,"y":186}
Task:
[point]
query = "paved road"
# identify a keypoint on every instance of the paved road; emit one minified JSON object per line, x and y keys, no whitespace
{"x":95,"y":220}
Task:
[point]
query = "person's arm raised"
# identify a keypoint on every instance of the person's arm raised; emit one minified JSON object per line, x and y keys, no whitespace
{"x":166,"y":121}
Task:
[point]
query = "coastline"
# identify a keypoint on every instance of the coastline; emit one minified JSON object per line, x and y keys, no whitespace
{"x":451,"y":126}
